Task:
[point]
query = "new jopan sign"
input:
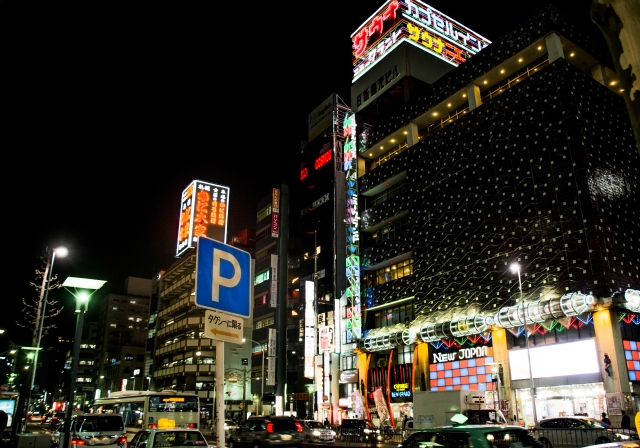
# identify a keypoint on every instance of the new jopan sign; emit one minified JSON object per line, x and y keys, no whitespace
{"x":417,"y":23}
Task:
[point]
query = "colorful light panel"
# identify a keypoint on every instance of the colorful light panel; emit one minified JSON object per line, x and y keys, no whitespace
{"x":632,"y":355}
{"x":465,"y":374}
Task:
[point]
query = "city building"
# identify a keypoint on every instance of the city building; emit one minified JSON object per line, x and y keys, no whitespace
{"x":122,"y":336}
{"x":467,"y":156}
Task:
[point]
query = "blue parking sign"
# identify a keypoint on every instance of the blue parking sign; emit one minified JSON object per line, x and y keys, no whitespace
{"x":223,"y":277}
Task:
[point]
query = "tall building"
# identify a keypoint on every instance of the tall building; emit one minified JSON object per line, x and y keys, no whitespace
{"x":122,"y":329}
{"x":468,"y":156}
{"x":322,"y":213}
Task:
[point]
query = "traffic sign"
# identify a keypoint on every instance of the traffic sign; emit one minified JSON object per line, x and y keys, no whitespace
{"x":223,"y":278}
{"x":223,"y":326}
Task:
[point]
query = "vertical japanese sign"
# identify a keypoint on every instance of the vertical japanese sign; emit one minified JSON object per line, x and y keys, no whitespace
{"x":275,"y":213}
{"x":353,"y":323}
{"x":203,"y":212}
{"x":309,"y":330}
{"x":273,"y":291}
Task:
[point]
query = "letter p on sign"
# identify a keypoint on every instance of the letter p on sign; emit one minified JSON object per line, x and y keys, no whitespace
{"x":223,"y":278}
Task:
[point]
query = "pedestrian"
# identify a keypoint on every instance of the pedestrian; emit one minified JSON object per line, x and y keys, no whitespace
{"x":607,"y":364}
{"x":605,"y":419}
{"x":626,"y":421}
{"x":405,"y":419}
{"x":4,"y":419}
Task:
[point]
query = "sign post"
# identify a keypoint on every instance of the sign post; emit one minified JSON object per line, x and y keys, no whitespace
{"x":224,"y":287}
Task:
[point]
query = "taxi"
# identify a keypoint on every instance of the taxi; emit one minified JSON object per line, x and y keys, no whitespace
{"x":168,"y":437}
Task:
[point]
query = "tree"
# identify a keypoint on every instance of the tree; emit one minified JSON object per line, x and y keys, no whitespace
{"x":33,"y":308}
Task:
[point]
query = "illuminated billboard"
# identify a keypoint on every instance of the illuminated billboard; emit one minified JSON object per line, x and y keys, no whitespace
{"x":203,"y":212}
{"x":420,"y":25}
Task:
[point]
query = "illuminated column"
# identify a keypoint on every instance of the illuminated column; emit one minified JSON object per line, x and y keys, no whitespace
{"x":473,"y":96}
{"x":609,"y":341}
{"x":412,"y":134}
{"x":554,"y":47}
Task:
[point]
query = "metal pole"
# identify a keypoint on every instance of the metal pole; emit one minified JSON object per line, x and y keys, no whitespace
{"x":244,"y":393}
{"x":524,"y":313}
{"x":74,"y":376}
{"x":315,"y":313}
{"x":262,"y":381}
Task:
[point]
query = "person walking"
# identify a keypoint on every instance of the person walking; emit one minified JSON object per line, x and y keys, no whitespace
{"x":626,"y":421}
{"x":605,"y":419}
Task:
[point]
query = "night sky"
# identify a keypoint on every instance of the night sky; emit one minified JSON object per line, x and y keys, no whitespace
{"x":112,"y":109}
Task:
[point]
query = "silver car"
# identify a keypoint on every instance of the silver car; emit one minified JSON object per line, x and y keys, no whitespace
{"x":574,"y":432}
{"x":316,"y":431}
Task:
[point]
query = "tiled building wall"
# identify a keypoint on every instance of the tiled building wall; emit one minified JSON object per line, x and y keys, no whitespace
{"x":514,"y":180}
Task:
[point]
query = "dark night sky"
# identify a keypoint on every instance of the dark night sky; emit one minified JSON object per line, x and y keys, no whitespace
{"x":112,"y":109}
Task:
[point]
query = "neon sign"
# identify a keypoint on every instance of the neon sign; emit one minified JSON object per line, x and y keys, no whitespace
{"x":354,"y":328}
{"x":203,"y":212}
{"x":416,"y":23}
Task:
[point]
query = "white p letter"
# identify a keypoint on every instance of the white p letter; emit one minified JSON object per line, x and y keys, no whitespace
{"x":218,"y":279}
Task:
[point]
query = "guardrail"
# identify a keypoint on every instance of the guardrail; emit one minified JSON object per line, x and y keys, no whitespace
{"x":576,"y":438}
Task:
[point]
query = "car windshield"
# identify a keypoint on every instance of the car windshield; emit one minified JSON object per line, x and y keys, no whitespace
{"x":315,"y":424}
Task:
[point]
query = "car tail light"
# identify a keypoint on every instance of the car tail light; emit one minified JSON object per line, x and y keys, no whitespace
{"x":299,"y":427}
{"x":152,"y":426}
{"x":77,"y":441}
{"x":122,"y":441}
{"x":193,"y":425}
{"x":270,"y":427}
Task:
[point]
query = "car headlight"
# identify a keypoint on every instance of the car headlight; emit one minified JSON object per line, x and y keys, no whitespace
{"x":316,"y":433}
{"x":367,"y":431}
{"x":622,"y":436}
{"x":333,"y":433}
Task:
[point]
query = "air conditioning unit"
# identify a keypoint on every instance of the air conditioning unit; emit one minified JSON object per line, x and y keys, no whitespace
{"x":474,"y":399}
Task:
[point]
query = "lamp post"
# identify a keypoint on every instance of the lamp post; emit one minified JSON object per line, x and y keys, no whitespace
{"x":261,"y":374}
{"x":82,"y":303}
{"x":515,"y":267}
{"x":42,"y":310}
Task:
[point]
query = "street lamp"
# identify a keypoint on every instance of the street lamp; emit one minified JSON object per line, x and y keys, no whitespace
{"x":42,"y":310}
{"x":515,"y":267}
{"x":261,"y":374}
{"x":82,"y":303}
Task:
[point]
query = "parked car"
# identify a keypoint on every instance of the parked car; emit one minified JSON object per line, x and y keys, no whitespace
{"x":316,"y":431}
{"x":262,"y":431}
{"x":478,"y":436}
{"x":106,"y":430}
{"x":156,"y":438}
{"x":485,"y":417}
{"x":570,"y":432}
{"x":358,"y":430}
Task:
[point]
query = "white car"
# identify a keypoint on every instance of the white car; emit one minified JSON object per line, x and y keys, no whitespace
{"x":316,"y":431}
{"x":229,"y":425}
{"x":157,"y":438}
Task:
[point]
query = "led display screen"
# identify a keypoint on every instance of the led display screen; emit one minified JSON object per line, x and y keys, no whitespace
{"x":572,"y":358}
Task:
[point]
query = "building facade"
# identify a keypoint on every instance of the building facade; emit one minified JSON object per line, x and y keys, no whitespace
{"x":522,"y":154}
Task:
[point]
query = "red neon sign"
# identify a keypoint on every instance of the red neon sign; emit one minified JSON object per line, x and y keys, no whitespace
{"x":322,"y":160}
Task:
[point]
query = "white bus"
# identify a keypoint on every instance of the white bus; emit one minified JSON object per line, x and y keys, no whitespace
{"x":151,"y":409}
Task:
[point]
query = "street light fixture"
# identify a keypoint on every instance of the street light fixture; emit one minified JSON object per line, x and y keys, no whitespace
{"x":261,"y":374}
{"x":515,"y":267}
{"x":82,"y":303}
{"x":42,"y":310}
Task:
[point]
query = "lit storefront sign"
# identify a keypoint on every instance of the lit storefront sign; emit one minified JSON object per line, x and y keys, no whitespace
{"x":417,"y":23}
{"x":353,"y":311}
{"x":464,"y":369}
{"x":203,"y":212}
{"x":571,"y":358}
{"x":401,"y":379}
{"x":309,"y":330}
{"x":275,"y":212}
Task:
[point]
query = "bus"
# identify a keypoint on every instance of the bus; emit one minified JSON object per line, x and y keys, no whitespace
{"x":151,"y":409}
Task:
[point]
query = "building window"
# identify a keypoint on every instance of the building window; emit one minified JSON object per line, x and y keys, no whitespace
{"x":348,"y":362}
{"x":262,"y":323}
{"x":394,"y":315}
{"x":262,"y":214}
{"x":262,"y":277}
{"x":389,"y":232}
{"x":393,"y":272}
{"x":391,"y":192}
{"x":128,"y":357}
